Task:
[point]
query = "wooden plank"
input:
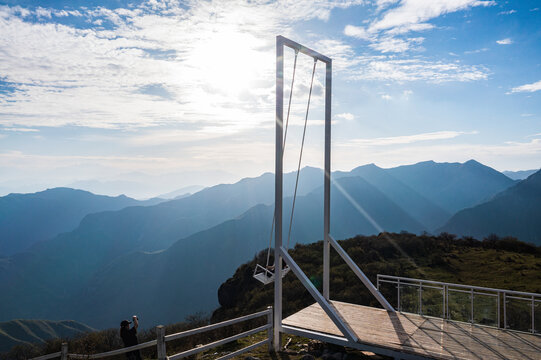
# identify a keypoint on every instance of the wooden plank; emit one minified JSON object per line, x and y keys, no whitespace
{"x":425,"y":336}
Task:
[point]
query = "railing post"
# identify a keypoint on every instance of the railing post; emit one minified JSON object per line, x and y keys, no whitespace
{"x":271,"y":329}
{"x":420,"y":298}
{"x":499,"y":311}
{"x":447,"y":302}
{"x":398,"y":297}
{"x":160,"y":337}
{"x":64,"y":351}
{"x":533,"y":314}
{"x":471,"y":296}
{"x":443,"y":304}
{"x":504,"y":311}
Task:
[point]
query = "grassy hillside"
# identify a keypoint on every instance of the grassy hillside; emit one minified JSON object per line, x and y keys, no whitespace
{"x":501,"y":263}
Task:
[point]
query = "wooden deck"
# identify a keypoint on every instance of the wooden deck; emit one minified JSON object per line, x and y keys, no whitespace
{"x":422,"y":336}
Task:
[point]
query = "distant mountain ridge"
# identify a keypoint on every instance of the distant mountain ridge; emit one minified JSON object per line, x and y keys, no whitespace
{"x":28,"y":218}
{"x":453,"y":186}
{"x":519,"y":175}
{"x":182,"y":192}
{"x":203,"y":237}
{"x":422,"y":209}
{"x":513,"y":212}
{"x":17,"y":332}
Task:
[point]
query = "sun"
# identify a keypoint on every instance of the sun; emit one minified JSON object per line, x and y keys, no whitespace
{"x":229,"y":61}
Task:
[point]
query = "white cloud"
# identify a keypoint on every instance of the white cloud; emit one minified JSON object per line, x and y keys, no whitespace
{"x":386,"y":68}
{"x":407,"y":139}
{"x":509,"y":12}
{"x":386,"y":97}
{"x":43,"y":13}
{"x":75,"y":13}
{"x":357,"y":32}
{"x":477,"y":51}
{"x":61,"y":13}
{"x":99,"y":77}
{"x":411,"y":12}
{"x":408,"y":16}
{"x":410,"y":27}
{"x":506,"y":41}
{"x":407,"y":93}
{"x":382,"y":4}
{"x":392,"y":68}
{"x":20,"y":129}
{"x":345,"y":116}
{"x":395,"y":45}
{"x":536,"y":86}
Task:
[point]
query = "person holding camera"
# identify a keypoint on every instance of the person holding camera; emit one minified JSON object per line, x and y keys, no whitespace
{"x":129,"y":337}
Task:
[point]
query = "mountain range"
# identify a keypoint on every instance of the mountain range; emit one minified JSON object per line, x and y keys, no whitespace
{"x":28,"y":218}
{"x":513,"y":212}
{"x":519,"y":175}
{"x":166,"y":261}
{"x":200,"y":262}
{"x":18,"y":332}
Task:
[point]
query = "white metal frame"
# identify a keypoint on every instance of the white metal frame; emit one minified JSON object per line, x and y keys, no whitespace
{"x":280,"y":253}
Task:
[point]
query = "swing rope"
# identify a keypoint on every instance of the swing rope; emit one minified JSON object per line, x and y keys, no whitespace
{"x":300,"y":156}
{"x":283,"y":150}
{"x":267,"y":269}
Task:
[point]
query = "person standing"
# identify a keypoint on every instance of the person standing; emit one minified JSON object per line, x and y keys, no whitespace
{"x":129,"y":337}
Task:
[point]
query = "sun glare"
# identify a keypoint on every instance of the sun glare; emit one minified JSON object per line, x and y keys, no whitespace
{"x":229,"y":61}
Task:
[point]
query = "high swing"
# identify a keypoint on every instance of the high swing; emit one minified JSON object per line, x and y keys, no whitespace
{"x":266,"y":274}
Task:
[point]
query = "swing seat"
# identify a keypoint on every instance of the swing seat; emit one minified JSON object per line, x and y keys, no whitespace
{"x":266,"y":276}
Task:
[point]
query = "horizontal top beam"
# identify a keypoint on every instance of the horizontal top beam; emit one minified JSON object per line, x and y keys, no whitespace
{"x":303,"y":49}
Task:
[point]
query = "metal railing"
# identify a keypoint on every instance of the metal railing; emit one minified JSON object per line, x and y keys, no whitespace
{"x":487,"y":298}
{"x":161,"y":340}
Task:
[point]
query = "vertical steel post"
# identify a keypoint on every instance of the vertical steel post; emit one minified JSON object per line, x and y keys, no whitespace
{"x":278,"y":193}
{"x":327,"y":181}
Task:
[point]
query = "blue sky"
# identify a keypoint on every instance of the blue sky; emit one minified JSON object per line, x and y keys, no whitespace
{"x":144,"y":97}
